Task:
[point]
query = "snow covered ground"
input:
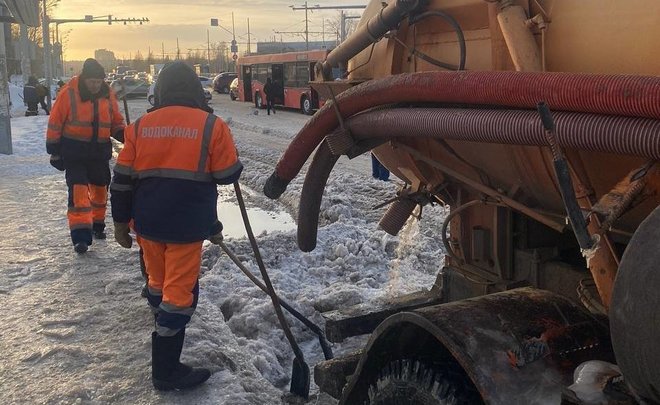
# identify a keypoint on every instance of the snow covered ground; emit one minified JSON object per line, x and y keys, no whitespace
{"x":75,"y":329}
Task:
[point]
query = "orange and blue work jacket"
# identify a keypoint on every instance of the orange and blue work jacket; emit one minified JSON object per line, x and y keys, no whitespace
{"x":81,"y":124}
{"x":165,"y":177}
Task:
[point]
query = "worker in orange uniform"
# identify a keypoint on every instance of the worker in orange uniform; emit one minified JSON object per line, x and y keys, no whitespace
{"x":165,"y":182}
{"x":83,"y":119}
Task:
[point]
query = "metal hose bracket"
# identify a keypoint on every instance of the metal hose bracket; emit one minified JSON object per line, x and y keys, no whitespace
{"x":566,"y":188}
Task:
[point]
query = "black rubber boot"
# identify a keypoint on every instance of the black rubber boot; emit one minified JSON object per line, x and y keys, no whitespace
{"x":98,"y":230}
{"x":167,"y":373}
{"x":80,"y":247}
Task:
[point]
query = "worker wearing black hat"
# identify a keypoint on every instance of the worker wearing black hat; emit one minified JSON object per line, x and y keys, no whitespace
{"x":84,"y":117}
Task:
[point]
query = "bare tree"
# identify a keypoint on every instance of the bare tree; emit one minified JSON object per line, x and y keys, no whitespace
{"x":335,"y":25}
{"x":34,"y":33}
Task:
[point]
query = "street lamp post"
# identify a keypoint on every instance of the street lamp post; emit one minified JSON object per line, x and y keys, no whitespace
{"x":208,"y":51}
{"x":234,"y":46}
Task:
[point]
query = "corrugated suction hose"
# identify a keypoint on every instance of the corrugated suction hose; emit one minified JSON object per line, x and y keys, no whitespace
{"x":634,"y":96}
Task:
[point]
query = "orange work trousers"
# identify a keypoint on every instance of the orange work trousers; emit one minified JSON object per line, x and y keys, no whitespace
{"x":88,"y":206}
{"x":173,"y":289}
{"x":87,"y":181}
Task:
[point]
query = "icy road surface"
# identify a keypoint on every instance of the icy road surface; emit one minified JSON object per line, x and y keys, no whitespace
{"x":75,"y":329}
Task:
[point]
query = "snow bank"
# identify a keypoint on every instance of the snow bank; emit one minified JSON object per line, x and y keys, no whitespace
{"x":77,"y":331}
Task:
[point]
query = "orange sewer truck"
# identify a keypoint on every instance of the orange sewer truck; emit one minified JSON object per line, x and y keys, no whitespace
{"x":538,"y":123}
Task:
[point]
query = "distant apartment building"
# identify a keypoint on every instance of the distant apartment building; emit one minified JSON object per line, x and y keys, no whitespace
{"x":106,"y":58}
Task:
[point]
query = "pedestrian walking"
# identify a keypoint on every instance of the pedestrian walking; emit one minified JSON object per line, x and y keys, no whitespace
{"x":42,"y":92}
{"x":60,"y":85}
{"x":83,"y":119}
{"x":269,"y":91}
{"x":31,"y":96}
{"x":165,"y":183}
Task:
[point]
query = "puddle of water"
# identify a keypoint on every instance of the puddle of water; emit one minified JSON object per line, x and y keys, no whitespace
{"x":260,"y":220}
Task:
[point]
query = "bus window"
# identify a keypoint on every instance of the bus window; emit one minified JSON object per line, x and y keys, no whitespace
{"x":260,"y":73}
{"x":290,"y":74}
{"x":302,"y":74}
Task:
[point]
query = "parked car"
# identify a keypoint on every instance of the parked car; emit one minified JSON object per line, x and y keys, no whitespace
{"x":233,"y":89}
{"x":133,"y":88}
{"x":151,"y":99}
{"x":206,"y":81}
{"x":222,"y":82}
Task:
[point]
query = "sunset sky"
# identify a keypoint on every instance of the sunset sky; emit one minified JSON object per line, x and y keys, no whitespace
{"x":187,"y":20}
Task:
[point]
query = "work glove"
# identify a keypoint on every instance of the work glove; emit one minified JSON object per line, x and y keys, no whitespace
{"x":57,"y":162}
{"x":216,"y":233}
{"x":122,"y":235}
{"x":217,"y":238}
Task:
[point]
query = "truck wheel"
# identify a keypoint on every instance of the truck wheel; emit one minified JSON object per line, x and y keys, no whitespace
{"x":415,"y":382}
{"x":306,"y":106}
{"x":634,"y":310}
{"x":257,"y":100}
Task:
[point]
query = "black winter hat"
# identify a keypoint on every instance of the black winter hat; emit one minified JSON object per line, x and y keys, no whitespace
{"x":178,"y":84}
{"x":92,"y":70}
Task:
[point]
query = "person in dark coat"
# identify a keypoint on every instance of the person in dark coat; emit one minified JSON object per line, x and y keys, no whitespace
{"x":269,"y":91}
{"x":31,"y":96}
{"x":378,"y":171}
{"x":42,"y":92}
{"x":60,"y":85}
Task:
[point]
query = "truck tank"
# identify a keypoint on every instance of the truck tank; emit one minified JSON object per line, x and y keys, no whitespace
{"x":538,"y":123}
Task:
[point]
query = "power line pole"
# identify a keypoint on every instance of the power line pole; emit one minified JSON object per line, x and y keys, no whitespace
{"x":306,"y":28}
{"x":317,"y":7}
{"x":178,"y":52}
{"x":248,"y":44}
{"x":26,"y":67}
{"x":162,"y":49}
{"x":342,"y":27}
{"x":345,"y":17}
{"x":208,"y":50}
{"x":47,"y":53}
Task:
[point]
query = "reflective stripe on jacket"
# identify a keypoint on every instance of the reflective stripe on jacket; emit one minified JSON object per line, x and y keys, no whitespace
{"x":166,"y":175}
{"x":82,"y":129}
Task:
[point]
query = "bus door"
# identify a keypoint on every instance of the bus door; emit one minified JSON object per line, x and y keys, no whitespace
{"x":278,"y":82}
{"x":312,"y":76}
{"x":246,"y":72}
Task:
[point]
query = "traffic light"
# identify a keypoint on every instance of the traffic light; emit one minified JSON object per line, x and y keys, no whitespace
{"x":234,"y":46}
{"x":110,"y":20}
